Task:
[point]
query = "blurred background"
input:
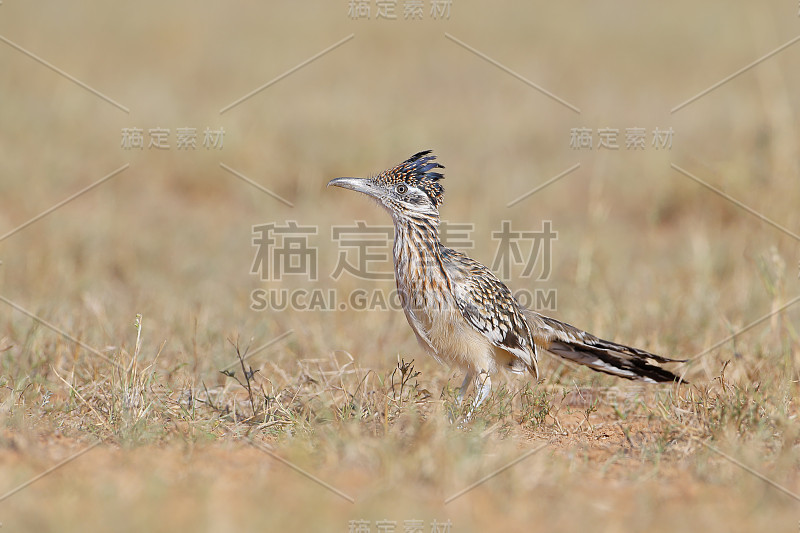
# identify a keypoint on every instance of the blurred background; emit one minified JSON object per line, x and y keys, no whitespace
{"x":645,"y":254}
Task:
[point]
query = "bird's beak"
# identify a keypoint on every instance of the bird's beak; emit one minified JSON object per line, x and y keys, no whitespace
{"x":362,"y":185}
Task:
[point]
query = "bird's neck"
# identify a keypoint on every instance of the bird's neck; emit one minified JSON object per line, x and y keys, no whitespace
{"x":420,"y":231}
{"x":417,"y":254}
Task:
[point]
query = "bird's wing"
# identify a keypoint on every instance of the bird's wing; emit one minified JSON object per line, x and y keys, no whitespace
{"x":487,"y":304}
{"x":573,"y":344}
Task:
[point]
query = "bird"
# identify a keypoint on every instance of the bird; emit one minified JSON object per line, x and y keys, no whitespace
{"x":459,"y":310}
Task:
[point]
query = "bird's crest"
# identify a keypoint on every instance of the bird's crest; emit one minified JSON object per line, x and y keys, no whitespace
{"x":417,"y":170}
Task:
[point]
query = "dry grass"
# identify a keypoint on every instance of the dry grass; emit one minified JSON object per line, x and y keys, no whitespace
{"x":152,"y":269}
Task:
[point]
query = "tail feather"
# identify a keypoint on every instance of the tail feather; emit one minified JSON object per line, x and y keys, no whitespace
{"x":573,"y":344}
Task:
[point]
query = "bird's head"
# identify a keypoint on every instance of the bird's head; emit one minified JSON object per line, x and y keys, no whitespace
{"x":411,"y":188}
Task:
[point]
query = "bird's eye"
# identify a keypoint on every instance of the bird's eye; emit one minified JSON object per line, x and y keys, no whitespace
{"x":401,"y":189}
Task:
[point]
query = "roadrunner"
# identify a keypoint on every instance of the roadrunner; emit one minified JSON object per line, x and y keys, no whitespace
{"x":460,"y":312}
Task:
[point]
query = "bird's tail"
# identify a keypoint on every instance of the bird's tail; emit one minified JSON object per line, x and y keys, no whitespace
{"x":573,"y":344}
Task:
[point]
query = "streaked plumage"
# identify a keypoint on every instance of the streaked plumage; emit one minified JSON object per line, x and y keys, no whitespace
{"x":461,"y":313}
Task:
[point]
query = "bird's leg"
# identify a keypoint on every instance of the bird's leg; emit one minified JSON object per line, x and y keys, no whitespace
{"x":483,"y":386}
{"x":462,"y":392}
